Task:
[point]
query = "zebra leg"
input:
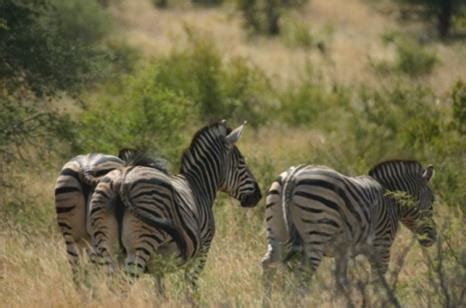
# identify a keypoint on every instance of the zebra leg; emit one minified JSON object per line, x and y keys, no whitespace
{"x":70,"y":207}
{"x":103,"y":226}
{"x":313,"y":255}
{"x":192,"y":276}
{"x":160,"y":285}
{"x":379,"y":258}
{"x":268,"y":272}
{"x":341,"y":267}
{"x":138,"y":251}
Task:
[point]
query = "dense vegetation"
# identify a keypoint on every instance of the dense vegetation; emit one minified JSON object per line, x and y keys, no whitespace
{"x":72,"y":81}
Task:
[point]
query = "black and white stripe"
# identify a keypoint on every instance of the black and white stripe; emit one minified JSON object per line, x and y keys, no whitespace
{"x":168,"y":215}
{"x":73,"y":188}
{"x":316,"y":210}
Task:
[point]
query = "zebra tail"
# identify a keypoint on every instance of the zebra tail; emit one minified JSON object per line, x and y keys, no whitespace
{"x":89,"y":179}
{"x":156,"y":222}
{"x":287,"y":193}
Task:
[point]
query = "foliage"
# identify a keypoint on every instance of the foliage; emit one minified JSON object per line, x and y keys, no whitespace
{"x":442,"y":11}
{"x":139,"y":115}
{"x":458,"y":96}
{"x":232,"y":90}
{"x":207,"y":2}
{"x":264,"y":16}
{"x":160,"y":3}
{"x":29,"y":131}
{"x":412,"y":58}
{"x":53,"y":45}
{"x":298,"y":34}
{"x":415,"y":60}
{"x":310,"y":103}
{"x":403,"y":122}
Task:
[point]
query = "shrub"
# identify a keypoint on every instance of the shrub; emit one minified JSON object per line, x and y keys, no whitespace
{"x":264,"y":16}
{"x":402,"y":121}
{"x":412,"y":58}
{"x":207,"y":2}
{"x":29,"y":131}
{"x":458,"y":96}
{"x":297,"y":34}
{"x":53,"y":45}
{"x":232,"y":90}
{"x":139,"y":115}
{"x":312,"y":104}
{"x":415,"y":60}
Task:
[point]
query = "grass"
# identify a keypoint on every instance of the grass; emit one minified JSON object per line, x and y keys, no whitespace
{"x":33,"y":267}
{"x":36,"y":273}
{"x":354,"y":40}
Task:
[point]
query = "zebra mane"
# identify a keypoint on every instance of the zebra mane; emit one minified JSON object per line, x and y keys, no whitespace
{"x":390,"y":167}
{"x":133,"y":157}
{"x":216,"y":126}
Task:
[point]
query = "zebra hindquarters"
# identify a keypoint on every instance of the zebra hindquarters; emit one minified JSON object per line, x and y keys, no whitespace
{"x":103,"y":221}
{"x":278,"y":237}
{"x":318,"y":225}
{"x":142,"y":243}
{"x":70,"y":205}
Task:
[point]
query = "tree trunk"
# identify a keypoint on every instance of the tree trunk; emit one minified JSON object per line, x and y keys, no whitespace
{"x":444,"y":18}
{"x":273,"y":17}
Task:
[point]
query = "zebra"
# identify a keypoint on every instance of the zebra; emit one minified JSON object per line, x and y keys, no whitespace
{"x":73,"y":189}
{"x":171,"y":215}
{"x":315,"y":211}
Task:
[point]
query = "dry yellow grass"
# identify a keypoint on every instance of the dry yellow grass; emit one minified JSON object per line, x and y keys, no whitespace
{"x":33,"y":267}
{"x":355,"y":40}
{"x":35,"y":273}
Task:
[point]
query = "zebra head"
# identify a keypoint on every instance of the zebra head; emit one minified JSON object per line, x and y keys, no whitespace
{"x":238,"y":180}
{"x":421,"y":220}
{"x":416,"y":211}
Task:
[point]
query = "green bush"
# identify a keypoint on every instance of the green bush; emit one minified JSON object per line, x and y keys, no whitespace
{"x":402,"y":121}
{"x":207,"y":2}
{"x":53,"y":45}
{"x":264,"y":16}
{"x":136,"y":113}
{"x":232,"y":90}
{"x":310,"y":103}
{"x":458,"y":97}
{"x":412,"y":58}
{"x":415,"y":60}
{"x":30,"y":131}
{"x":297,"y":34}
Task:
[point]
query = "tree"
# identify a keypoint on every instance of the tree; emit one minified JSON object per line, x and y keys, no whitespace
{"x":442,"y":10}
{"x":49,"y":46}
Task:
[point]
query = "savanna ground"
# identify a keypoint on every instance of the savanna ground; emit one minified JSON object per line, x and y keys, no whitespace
{"x":346,"y":83}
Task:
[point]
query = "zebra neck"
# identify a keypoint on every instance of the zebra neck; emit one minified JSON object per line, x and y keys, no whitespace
{"x":203,"y":176}
{"x":388,"y":218}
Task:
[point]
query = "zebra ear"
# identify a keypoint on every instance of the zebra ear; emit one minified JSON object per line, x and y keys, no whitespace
{"x":428,"y":173}
{"x":235,"y":134}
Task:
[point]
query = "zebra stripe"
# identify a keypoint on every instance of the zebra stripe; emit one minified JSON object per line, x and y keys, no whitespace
{"x":172,"y":215}
{"x":73,"y":187}
{"x":316,"y":210}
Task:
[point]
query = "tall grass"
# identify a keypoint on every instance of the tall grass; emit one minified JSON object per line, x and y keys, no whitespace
{"x":316,"y":119}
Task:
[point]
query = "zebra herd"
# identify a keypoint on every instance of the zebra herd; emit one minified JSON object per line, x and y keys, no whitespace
{"x":105,"y":202}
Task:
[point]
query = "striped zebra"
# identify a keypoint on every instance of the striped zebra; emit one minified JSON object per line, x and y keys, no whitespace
{"x":320,"y":212}
{"x":73,"y":188}
{"x":171,"y":215}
